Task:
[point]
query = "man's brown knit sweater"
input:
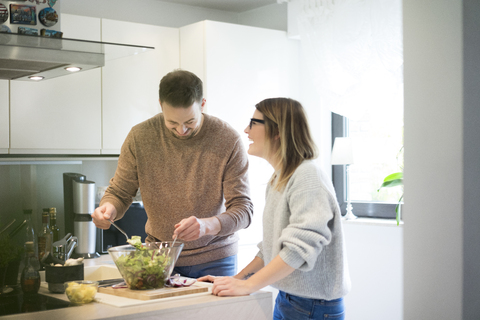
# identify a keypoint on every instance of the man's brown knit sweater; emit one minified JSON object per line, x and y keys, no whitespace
{"x":179,"y":178}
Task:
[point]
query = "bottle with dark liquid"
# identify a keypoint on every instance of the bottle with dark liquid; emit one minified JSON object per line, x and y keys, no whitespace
{"x":45,"y":236}
{"x":53,"y":224}
{"x":30,"y":278}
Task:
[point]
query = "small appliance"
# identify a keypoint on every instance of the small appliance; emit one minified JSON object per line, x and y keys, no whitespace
{"x":79,"y":201}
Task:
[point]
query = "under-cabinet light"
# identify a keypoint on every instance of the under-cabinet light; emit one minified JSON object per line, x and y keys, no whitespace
{"x":73,"y":69}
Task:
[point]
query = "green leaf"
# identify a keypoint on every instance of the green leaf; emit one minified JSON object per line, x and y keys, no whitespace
{"x":392,"y":180}
{"x":393,"y":176}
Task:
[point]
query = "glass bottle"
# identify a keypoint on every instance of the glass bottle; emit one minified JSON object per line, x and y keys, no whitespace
{"x":45,"y":236}
{"x":30,"y":278}
{"x":30,"y":231}
{"x":53,"y":224}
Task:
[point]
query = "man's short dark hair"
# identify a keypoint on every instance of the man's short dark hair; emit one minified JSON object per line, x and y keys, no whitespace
{"x":181,"y":89}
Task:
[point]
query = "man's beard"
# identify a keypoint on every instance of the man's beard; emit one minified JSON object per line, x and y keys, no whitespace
{"x":187,"y":137}
{"x":191,"y":135}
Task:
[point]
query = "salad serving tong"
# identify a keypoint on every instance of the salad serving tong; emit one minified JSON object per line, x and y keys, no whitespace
{"x":119,"y":229}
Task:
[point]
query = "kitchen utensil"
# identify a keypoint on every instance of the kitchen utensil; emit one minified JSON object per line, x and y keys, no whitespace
{"x":8,"y":226}
{"x":17,"y":229}
{"x":135,"y":265}
{"x":174,"y":239}
{"x":119,"y":229}
{"x":109,"y":282}
{"x":173,"y":244}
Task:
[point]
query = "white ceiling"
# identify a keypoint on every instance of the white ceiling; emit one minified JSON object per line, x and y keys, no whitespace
{"x":226,"y":5}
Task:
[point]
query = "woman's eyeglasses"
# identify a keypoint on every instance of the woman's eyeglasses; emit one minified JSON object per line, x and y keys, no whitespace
{"x":252,"y":120}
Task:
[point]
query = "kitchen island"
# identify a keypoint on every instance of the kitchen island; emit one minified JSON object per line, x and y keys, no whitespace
{"x":196,"y":306}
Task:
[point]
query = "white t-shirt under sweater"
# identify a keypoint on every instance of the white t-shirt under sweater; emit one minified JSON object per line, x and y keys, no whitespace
{"x":302,"y":223}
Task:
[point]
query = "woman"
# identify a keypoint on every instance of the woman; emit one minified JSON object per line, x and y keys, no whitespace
{"x":302,"y":253}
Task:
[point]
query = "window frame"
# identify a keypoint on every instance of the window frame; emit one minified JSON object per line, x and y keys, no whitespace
{"x":381,"y":210}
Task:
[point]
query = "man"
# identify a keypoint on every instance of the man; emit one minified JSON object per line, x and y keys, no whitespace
{"x":190,"y":167}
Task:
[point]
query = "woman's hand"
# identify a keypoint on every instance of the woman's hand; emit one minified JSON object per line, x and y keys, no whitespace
{"x":249,"y":279}
{"x":207,"y":278}
{"x":229,"y":286}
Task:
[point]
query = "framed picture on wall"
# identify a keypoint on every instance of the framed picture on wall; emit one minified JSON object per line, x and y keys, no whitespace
{"x":3,"y":13}
{"x":23,"y":14}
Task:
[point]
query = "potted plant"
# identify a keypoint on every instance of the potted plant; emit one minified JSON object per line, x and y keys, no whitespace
{"x":395,"y":180}
{"x":10,"y":256}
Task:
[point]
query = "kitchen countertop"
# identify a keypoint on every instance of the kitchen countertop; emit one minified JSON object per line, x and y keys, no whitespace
{"x":199,"y":306}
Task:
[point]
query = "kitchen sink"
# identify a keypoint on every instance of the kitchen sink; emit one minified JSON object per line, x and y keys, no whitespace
{"x":102,"y":272}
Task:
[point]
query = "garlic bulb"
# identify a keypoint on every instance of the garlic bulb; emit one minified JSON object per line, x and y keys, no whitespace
{"x":73,"y":262}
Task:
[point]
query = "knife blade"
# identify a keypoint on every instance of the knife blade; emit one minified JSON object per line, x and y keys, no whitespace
{"x":109,"y":282}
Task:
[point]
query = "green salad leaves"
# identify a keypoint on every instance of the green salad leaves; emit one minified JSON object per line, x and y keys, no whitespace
{"x":136,"y":241}
{"x":143,"y":268}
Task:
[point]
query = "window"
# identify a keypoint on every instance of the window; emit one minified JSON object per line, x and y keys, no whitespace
{"x":378,"y":151}
{"x":354,"y":54}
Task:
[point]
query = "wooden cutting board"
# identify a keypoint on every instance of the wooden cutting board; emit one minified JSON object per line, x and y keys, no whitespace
{"x":153,"y":293}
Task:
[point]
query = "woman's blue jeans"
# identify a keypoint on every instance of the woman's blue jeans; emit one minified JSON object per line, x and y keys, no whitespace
{"x":221,"y":267}
{"x":289,"y":307}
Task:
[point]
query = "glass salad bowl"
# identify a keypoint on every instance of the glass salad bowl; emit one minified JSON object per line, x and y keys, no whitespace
{"x":147,"y":266}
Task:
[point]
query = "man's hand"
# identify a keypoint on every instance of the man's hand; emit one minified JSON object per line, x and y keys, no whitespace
{"x":193,"y":228}
{"x":103,"y":214}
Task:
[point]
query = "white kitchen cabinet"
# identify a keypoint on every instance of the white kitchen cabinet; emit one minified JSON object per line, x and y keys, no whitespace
{"x":130,"y":84}
{"x":60,"y":115}
{"x":4,"y":117}
{"x":240,"y":66}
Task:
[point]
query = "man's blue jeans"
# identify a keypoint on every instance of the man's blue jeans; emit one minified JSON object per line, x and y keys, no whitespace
{"x":288,"y":307}
{"x":222,"y":267}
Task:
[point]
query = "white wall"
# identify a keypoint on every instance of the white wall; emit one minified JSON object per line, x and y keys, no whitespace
{"x":442,"y":130}
{"x":374,"y":253}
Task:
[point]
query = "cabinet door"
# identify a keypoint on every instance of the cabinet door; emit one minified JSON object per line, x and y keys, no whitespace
{"x":130,"y":84}
{"x":4,"y":117}
{"x":60,"y":115}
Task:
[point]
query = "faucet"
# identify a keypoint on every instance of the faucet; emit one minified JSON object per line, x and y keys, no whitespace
{"x":63,"y":249}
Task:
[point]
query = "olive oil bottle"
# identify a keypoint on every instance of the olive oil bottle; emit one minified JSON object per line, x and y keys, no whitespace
{"x":45,"y":237}
{"x":53,"y":224}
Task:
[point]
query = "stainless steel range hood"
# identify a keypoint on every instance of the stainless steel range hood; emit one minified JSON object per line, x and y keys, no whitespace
{"x":23,"y":56}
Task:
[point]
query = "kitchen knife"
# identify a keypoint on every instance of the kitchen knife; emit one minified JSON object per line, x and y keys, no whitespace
{"x":109,"y":282}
